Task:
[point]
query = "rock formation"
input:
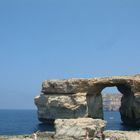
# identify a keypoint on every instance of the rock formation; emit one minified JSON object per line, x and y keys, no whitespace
{"x":79,"y":129}
{"x":74,"y":98}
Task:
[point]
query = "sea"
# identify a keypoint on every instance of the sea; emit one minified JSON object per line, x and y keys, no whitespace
{"x":19,"y":122}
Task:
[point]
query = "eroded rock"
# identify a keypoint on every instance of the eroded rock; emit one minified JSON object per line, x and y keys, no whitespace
{"x":60,"y":106}
{"x":75,"y":98}
{"x":121,"y":135}
{"x":79,"y":129}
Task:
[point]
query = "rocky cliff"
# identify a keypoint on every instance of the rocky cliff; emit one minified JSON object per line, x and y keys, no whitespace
{"x":74,"y":98}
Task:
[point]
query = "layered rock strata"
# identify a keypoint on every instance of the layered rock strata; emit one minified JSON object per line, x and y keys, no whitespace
{"x":74,"y":98}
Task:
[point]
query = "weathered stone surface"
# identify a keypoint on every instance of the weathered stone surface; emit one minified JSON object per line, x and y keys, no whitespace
{"x":54,"y":106}
{"x":92,"y":85}
{"x":79,"y":129}
{"x":35,"y":136}
{"x":108,"y":135}
{"x":60,"y":100}
{"x":65,"y":86}
{"x":121,"y":135}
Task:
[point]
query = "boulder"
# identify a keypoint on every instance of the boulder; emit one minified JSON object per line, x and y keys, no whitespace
{"x":79,"y":129}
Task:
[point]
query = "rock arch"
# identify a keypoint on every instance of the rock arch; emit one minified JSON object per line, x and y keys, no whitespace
{"x":73,"y":98}
{"x":95,"y":103}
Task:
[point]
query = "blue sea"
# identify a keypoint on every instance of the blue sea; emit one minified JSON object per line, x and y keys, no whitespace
{"x":16,"y":122}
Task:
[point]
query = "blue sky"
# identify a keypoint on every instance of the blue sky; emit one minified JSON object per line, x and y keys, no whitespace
{"x":51,"y":39}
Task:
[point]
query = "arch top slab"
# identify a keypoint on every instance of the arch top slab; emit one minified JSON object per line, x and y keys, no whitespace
{"x":90,"y":86}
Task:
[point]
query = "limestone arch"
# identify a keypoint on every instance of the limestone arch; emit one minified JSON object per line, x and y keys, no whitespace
{"x":129,"y":86}
{"x":95,"y":103}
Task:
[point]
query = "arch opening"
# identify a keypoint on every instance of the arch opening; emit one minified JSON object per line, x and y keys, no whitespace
{"x":126,"y":109}
{"x":125,"y":102}
{"x":111,"y":100}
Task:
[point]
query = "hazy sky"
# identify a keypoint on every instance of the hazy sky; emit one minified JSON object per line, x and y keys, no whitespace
{"x":57,"y":39}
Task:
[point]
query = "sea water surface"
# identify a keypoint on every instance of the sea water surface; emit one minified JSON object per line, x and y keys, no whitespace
{"x":114,"y":122}
{"x":16,"y":122}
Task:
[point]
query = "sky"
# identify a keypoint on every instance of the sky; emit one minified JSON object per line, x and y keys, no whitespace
{"x":59,"y":39}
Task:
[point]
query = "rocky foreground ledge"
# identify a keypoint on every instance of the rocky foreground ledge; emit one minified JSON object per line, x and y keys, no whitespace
{"x":109,"y":135}
{"x":78,"y":129}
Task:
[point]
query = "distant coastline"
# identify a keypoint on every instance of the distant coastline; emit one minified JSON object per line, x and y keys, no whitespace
{"x":111,"y":101}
